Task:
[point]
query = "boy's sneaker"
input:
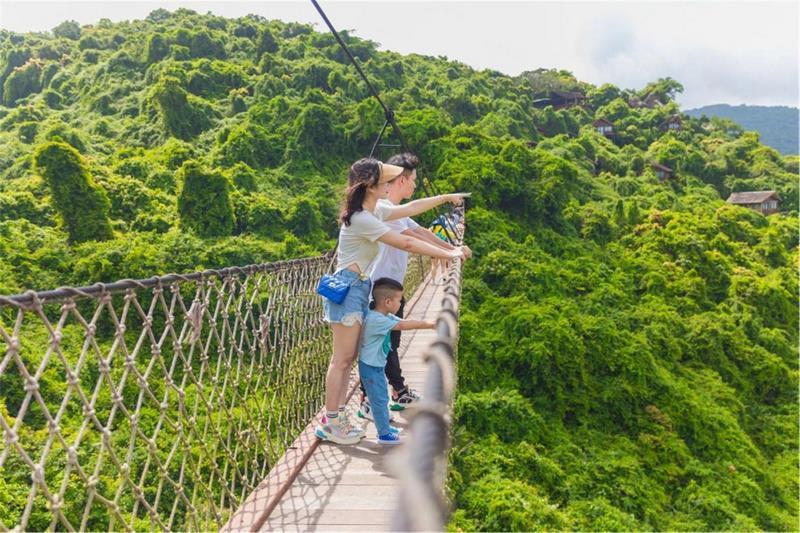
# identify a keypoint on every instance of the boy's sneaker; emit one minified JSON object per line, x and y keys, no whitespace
{"x":395,"y":430}
{"x":408,"y":397}
{"x":389,"y":438}
{"x":336,"y":433}
{"x":365,"y":412}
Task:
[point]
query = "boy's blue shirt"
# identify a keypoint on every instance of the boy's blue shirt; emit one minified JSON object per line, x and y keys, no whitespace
{"x":375,"y":340}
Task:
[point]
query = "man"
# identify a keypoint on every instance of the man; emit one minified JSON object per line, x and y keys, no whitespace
{"x":392,"y":263}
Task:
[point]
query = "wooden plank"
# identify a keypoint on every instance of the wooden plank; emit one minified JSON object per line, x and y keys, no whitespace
{"x":320,"y":519}
{"x":248,"y":515}
{"x":342,"y":488}
{"x":332,"y":527}
{"x":342,"y":497}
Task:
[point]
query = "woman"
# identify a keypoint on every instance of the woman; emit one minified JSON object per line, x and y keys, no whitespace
{"x":361,"y":231}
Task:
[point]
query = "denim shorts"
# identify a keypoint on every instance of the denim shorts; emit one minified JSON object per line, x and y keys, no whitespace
{"x":355,"y":305}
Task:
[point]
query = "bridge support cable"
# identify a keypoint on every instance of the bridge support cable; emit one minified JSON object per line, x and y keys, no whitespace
{"x":427,"y":183}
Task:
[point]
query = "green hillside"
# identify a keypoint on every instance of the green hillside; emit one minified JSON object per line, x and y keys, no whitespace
{"x":778,"y":126}
{"x":628,"y":354}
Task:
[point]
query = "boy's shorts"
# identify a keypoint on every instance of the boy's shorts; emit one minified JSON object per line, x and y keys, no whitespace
{"x":355,"y":305}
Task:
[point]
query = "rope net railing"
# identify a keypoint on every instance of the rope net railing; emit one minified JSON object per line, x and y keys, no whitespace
{"x":157,"y":403}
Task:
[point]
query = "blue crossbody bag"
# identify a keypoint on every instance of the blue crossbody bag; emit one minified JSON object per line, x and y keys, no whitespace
{"x":332,"y":288}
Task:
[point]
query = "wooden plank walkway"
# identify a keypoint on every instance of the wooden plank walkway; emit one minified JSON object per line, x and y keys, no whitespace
{"x":341,"y":488}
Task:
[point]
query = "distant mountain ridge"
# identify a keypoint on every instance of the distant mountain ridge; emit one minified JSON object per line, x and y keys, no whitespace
{"x":777,"y":125}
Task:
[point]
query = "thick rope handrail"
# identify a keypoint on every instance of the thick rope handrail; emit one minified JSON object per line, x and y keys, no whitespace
{"x":63,"y":293}
{"x":157,"y":403}
{"x":422,"y":505}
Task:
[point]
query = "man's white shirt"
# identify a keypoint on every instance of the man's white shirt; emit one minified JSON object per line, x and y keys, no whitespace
{"x":391,"y":262}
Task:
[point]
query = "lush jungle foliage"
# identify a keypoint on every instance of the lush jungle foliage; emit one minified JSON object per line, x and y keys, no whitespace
{"x":628,"y":354}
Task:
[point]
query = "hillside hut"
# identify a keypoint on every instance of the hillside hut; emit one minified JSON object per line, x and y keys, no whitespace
{"x":604,"y":127}
{"x":765,"y":202}
{"x":651,"y":100}
{"x":673,"y":123}
{"x":663,"y":172}
{"x":561,"y":99}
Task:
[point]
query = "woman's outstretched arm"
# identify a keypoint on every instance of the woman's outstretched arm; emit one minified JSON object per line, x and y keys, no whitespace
{"x":419,"y":206}
{"x":417,"y":246}
{"x":428,"y":236}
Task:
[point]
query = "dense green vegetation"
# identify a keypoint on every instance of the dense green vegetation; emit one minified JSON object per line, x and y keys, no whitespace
{"x":776,"y":125}
{"x":628,"y":354}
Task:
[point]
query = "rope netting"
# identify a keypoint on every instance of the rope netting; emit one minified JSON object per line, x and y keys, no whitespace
{"x":158,"y":403}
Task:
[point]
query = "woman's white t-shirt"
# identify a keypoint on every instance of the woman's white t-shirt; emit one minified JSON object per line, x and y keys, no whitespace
{"x":358,"y":242}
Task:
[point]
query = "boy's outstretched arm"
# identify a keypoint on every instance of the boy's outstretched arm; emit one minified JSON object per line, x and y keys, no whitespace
{"x":414,"y":324}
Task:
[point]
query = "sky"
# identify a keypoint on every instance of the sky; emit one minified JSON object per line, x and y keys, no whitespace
{"x":721,"y":51}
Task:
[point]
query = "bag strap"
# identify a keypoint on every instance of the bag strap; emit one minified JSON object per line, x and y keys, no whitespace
{"x":334,"y":253}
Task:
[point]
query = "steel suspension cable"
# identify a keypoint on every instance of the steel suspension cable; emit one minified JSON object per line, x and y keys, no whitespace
{"x":447,"y":224}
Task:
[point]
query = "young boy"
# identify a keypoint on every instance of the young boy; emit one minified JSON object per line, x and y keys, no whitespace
{"x":375,"y":344}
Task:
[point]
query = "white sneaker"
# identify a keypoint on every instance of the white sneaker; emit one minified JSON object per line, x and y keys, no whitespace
{"x":344,"y":420}
{"x":336,"y":433}
{"x":408,"y":397}
{"x":365,"y":412}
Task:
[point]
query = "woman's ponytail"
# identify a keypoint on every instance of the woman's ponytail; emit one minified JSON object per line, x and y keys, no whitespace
{"x":363,"y":174}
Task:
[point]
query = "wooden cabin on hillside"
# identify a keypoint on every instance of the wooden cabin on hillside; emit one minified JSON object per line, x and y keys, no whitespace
{"x":765,"y":202}
{"x":604,"y":127}
{"x":663,"y":172}
{"x":650,"y":101}
{"x":561,"y":99}
{"x":673,"y":123}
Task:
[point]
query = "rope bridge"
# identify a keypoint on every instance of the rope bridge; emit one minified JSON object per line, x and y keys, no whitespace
{"x":157,"y":403}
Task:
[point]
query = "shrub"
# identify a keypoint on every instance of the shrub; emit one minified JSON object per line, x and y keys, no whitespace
{"x":496,"y":412}
{"x":82,"y":205}
{"x":59,"y":131}
{"x":175,"y":153}
{"x":27,"y":131}
{"x":128,"y":197}
{"x":203,"y":45}
{"x":214,"y":78}
{"x":156,"y":48}
{"x":23,"y":204}
{"x":182,"y":115}
{"x":204,"y":202}
{"x":243,"y":176}
{"x":53,"y":99}
{"x":263,"y":216}
{"x":89,"y":42}
{"x":237,"y":102}
{"x":251,"y":144}
{"x":497,"y":504}
{"x":266,"y":42}
{"x":304,"y":219}
{"x":23,"y":81}
{"x":69,"y":29}
{"x":11,"y":59}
